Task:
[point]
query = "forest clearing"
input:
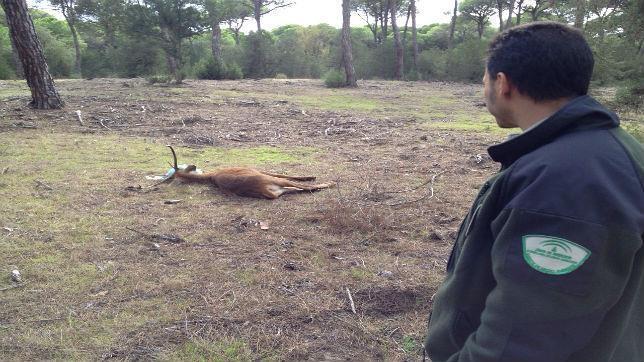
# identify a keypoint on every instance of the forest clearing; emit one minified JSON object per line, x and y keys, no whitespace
{"x":185,"y":272}
{"x":101,"y":261}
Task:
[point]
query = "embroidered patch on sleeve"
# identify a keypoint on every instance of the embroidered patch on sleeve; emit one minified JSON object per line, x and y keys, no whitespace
{"x":551,"y":255}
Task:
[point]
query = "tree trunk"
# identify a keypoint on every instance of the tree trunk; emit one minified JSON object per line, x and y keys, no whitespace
{"x":174,"y":67}
{"x":499,"y":6}
{"x":452,"y":26}
{"x":172,"y":50}
{"x":414,"y":38}
{"x":347,"y":55}
{"x":258,"y":14}
{"x":519,"y":11}
{"x":534,"y":13}
{"x":404,"y":37}
{"x":384,"y":21}
{"x":216,"y":42}
{"x":235,"y":29}
{"x":70,"y":17}
{"x":580,"y":13}
{"x":77,"y":62}
{"x":24,"y":38}
{"x":399,"y":51}
{"x":508,"y":23}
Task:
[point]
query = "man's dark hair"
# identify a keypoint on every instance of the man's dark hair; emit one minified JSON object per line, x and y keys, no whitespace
{"x":544,"y":60}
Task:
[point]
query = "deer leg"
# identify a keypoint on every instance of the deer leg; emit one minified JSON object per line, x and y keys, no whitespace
{"x":303,"y":187}
{"x":295,"y":178}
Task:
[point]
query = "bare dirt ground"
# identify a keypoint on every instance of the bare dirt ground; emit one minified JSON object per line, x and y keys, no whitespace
{"x":109,"y":272}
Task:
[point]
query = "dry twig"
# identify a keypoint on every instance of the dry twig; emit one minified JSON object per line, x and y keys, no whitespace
{"x":44,"y":185}
{"x":80,"y":119}
{"x":353,"y":306}
{"x":430,"y":193}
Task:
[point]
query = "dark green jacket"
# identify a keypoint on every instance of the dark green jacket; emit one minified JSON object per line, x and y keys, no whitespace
{"x":549,"y":265}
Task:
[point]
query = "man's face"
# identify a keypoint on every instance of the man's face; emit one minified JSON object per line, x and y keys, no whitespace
{"x":495,"y":101}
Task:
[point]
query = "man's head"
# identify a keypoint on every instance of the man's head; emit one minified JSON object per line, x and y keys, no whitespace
{"x":541,"y":62}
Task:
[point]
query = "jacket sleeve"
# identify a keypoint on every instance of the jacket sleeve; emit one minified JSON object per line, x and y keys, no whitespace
{"x":532,"y":315}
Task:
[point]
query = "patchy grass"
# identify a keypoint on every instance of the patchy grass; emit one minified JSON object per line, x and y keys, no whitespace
{"x":65,"y":230}
{"x":201,"y":350}
{"x":13,"y":88}
{"x":105,"y":279}
{"x":345,"y":102}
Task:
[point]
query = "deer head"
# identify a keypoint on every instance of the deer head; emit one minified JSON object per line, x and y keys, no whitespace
{"x":172,"y":174}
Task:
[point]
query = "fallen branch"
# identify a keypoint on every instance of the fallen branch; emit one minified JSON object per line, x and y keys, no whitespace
{"x":17,"y":285}
{"x":430,"y":193}
{"x":169,"y":238}
{"x":104,"y":126}
{"x":353,"y":306}
{"x":80,"y":119}
{"x":44,"y":185}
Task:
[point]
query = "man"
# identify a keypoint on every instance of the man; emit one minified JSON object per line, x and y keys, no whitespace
{"x":549,"y":264}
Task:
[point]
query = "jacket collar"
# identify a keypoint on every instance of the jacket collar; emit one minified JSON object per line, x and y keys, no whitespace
{"x":582,"y":113}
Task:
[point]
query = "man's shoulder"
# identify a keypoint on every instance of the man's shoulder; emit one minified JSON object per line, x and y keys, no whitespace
{"x":584,"y":175}
{"x":581,"y":150}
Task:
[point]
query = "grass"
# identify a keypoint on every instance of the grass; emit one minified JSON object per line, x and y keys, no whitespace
{"x":67,"y":237}
{"x":95,"y":289}
{"x":339,"y":102}
{"x":200,"y":350}
{"x":13,"y":88}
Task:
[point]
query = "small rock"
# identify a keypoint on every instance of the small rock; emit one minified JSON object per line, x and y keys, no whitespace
{"x":15,"y":276}
{"x":385,"y":273}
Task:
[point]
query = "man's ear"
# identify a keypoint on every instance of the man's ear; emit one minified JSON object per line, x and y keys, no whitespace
{"x":503,"y":85}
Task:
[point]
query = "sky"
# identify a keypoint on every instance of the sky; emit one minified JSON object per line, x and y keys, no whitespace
{"x":313,"y":12}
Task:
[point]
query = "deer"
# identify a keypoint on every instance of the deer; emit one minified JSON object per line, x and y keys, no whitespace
{"x":244,"y":181}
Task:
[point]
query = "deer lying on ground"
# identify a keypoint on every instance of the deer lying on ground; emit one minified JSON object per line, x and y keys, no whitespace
{"x":244,"y":181}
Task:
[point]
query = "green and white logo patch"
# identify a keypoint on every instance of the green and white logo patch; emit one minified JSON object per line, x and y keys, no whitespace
{"x":552,"y":255}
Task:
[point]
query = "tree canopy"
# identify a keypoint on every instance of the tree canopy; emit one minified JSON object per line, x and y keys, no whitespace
{"x":202,"y":38}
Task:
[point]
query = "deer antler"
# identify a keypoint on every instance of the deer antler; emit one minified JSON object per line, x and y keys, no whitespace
{"x":174,"y":157}
{"x":174,"y":166}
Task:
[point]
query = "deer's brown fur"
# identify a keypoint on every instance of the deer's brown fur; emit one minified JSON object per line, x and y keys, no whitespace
{"x":244,"y":181}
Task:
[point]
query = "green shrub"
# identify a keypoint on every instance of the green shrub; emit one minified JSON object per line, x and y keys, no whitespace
{"x":6,"y":71}
{"x":154,"y":79}
{"x":234,"y":71}
{"x":215,"y":70}
{"x":281,"y":76}
{"x":412,"y":76}
{"x":466,"y":61}
{"x":259,"y":51}
{"x":211,"y":69}
{"x":432,"y":64}
{"x":334,"y":79}
{"x":630,"y":96}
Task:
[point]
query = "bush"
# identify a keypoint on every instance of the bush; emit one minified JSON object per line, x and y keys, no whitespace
{"x":211,"y":69}
{"x":281,"y":76}
{"x":215,"y":70}
{"x":466,"y":61}
{"x":159,"y":79}
{"x":432,"y":64}
{"x":234,"y":71}
{"x":630,"y":96}
{"x":6,"y":70}
{"x":334,"y":79}
{"x":259,"y":51}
